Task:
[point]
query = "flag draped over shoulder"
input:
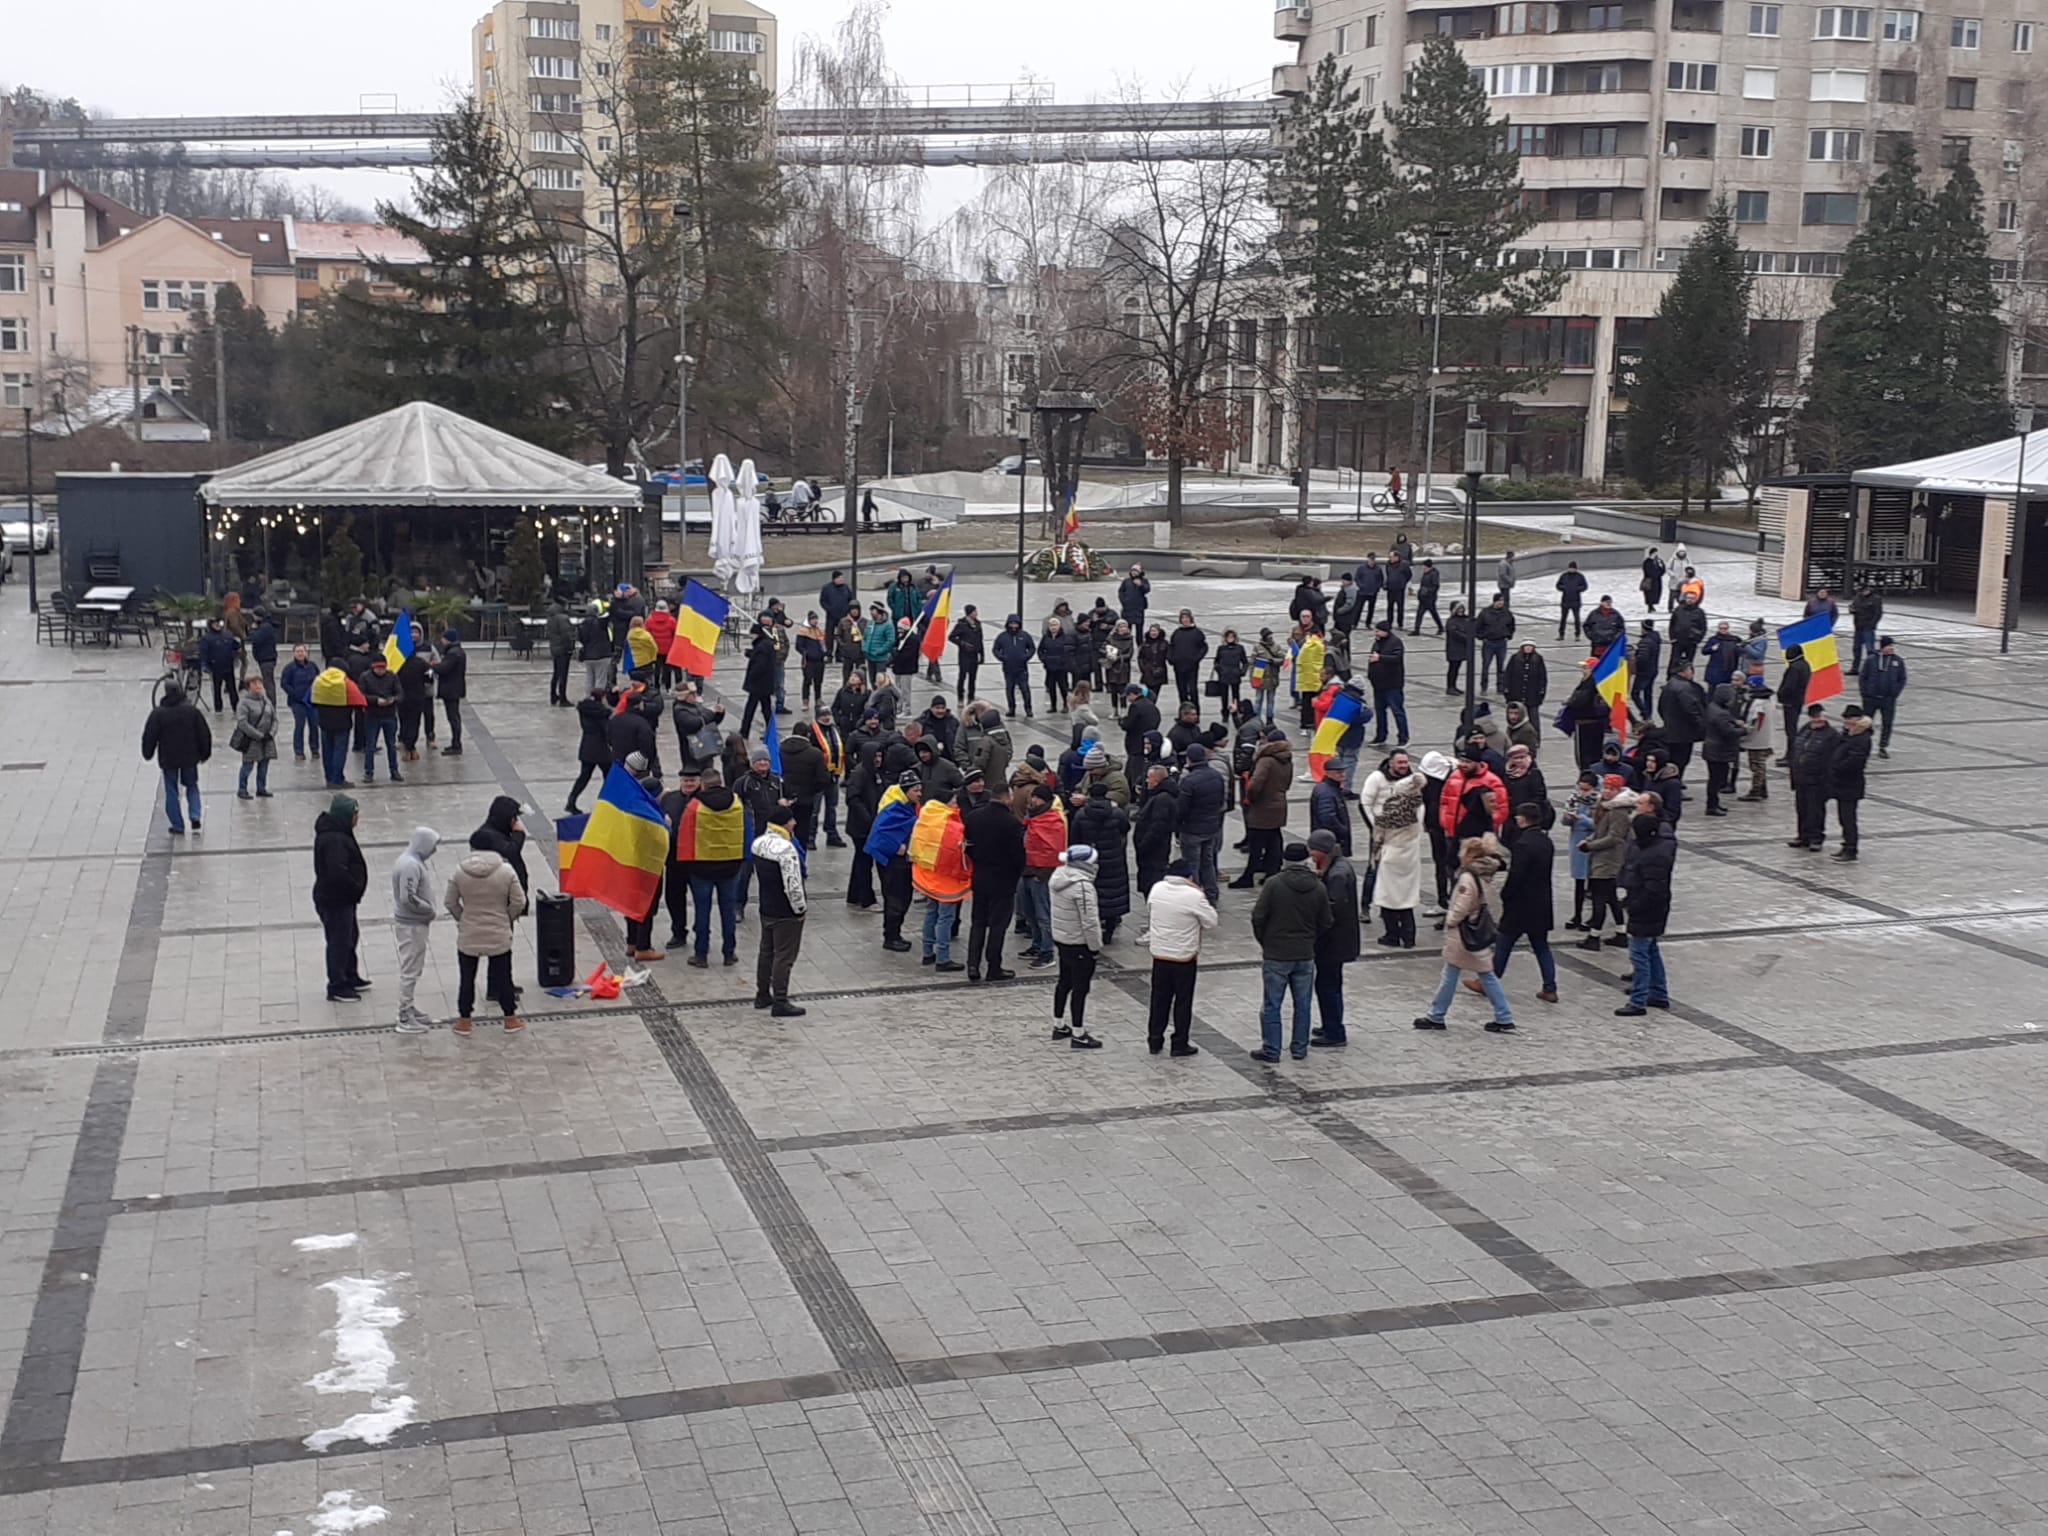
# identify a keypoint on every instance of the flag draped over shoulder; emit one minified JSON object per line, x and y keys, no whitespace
{"x":335,"y":689}
{"x":1610,"y":676}
{"x":1346,"y":710}
{"x":623,"y":849}
{"x":1815,"y":638}
{"x":705,"y":836}
{"x":398,"y":645}
{"x":893,"y":822}
{"x":938,"y":618}
{"x":700,"y":620}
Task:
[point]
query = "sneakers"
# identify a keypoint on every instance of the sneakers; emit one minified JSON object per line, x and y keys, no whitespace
{"x":463,"y":1026}
{"x":1038,"y":962}
{"x":413,"y":1024}
{"x":1501,"y":1027}
{"x":344,"y":995}
{"x":514,"y":1024}
{"x":785,"y":1010}
{"x":1630,"y":1011}
{"x":763,"y":1001}
{"x":949,"y":966}
{"x":1084,"y":1042}
{"x":1426,"y":1022}
{"x":1061,"y":1032}
{"x":1590,"y":941}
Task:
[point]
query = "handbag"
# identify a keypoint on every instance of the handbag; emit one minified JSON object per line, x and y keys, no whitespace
{"x":239,"y":739}
{"x":1565,"y":721}
{"x":1213,"y":689}
{"x":1479,"y":931}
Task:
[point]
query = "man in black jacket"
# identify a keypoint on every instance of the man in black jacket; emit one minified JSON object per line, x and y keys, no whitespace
{"x":1013,"y":651}
{"x":1370,"y":579}
{"x":415,"y":698}
{"x":969,"y":648}
{"x":1186,"y":647}
{"x":340,"y":878}
{"x":835,"y":600}
{"x":1646,"y":877}
{"x":1427,"y":583}
{"x":1602,"y":625}
{"x":1571,"y":591}
{"x":1140,"y":716}
{"x":1289,"y":920}
{"x":1846,"y":777}
{"x":1525,"y":898}
{"x":451,"y":681}
{"x":380,"y":718}
{"x":1132,"y":597}
{"x":1386,"y":671}
{"x":1399,"y":574}
{"x":994,"y":842}
{"x":1494,"y":627}
{"x":1525,"y":680}
{"x":177,"y":736}
{"x":760,"y":790}
{"x":1792,"y":694}
{"x":1688,"y":630}
{"x":1157,"y":819}
{"x":1812,"y":751}
{"x":1337,"y":946}
{"x":1203,"y":796}
{"x":1683,"y":708}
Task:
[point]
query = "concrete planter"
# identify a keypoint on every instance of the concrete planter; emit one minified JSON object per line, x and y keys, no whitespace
{"x":1294,"y":570}
{"x":1206,"y":565}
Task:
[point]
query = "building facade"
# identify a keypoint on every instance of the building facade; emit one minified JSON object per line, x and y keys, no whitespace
{"x":1632,"y":116}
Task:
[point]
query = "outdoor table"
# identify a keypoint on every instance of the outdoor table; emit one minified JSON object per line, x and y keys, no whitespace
{"x":118,"y":596}
{"x":98,"y":618}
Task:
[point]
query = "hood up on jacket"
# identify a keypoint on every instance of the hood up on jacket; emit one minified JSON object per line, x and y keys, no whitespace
{"x":503,"y":812}
{"x":422,"y":843}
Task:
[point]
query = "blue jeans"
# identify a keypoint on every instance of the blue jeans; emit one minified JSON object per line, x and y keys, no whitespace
{"x":305,"y":723}
{"x":702,"y":888}
{"x":1440,"y":1005}
{"x":941,"y":918}
{"x":1200,"y":852}
{"x":1866,"y":640}
{"x":1539,"y":945}
{"x":380,"y":728}
{"x":262,"y":767}
{"x":1265,"y":698}
{"x":1386,"y":701}
{"x":1648,"y":983}
{"x":173,"y":777}
{"x":1282,"y":977}
{"x":1330,"y":999}
{"x":1035,"y":897}
{"x":334,"y":755}
{"x":1493,"y":658}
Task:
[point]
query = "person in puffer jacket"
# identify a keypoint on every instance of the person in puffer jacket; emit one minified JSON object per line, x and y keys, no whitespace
{"x":412,"y":912}
{"x":1077,"y":936}
{"x":779,"y":871}
{"x":485,"y":898}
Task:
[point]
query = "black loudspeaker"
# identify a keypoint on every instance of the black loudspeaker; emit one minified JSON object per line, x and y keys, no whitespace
{"x":555,"y":940}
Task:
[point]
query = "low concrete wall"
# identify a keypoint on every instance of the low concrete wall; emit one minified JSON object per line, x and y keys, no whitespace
{"x":1643,"y":528}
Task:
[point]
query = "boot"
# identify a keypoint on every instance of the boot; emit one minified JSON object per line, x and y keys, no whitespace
{"x":463,"y":1025}
{"x":1590,"y":941}
{"x":514,"y":1024}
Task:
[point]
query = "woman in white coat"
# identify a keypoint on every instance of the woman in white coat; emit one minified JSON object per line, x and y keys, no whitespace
{"x":1392,"y":805}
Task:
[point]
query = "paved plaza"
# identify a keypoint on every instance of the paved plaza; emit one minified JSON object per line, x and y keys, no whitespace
{"x":1770,"y":1263}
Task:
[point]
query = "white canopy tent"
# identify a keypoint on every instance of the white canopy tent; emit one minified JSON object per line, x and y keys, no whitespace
{"x":418,"y":455}
{"x":1992,"y":470}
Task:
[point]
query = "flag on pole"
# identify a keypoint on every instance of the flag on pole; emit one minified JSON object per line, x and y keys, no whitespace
{"x":1346,"y":710}
{"x":398,"y":645}
{"x":623,"y":850}
{"x":1071,"y":523}
{"x":938,"y":617}
{"x":1610,"y":676}
{"x":1815,"y":638}
{"x":700,"y":620}
{"x":774,"y":745}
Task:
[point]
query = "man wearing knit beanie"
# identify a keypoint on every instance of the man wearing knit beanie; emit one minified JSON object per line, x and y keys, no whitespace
{"x":1292,"y":914}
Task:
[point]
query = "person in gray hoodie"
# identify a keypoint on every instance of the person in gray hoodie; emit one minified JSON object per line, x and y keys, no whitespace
{"x":412,"y":910}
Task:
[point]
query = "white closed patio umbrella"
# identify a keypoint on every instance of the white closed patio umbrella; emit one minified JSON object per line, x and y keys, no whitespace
{"x":725,"y":522}
{"x":748,"y":529}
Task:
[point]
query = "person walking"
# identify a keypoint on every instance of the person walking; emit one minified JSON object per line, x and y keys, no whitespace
{"x":779,"y":875}
{"x":1682,"y":707}
{"x":1646,"y":876}
{"x":1866,"y":614}
{"x":1571,"y":592}
{"x":1428,"y":582}
{"x":485,"y":897}
{"x":255,"y":737}
{"x":1471,"y":929}
{"x":1179,"y":914}
{"x":1644,"y":656}
{"x":1077,"y":938}
{"x":758,"y":682}
{"x":1881,"y":679}
{"x":1525,"y":904}
{"x":451,"y":682}
{"x":413,"y":910}
{"x":177,"y":737}
{"x":1813,"y":754}
{"x":340,"y":878}
{"x":1846,"y":770}
{"x":1288,"y":920}
{"x":220,"y":654}
{"x":593,"y":750}
{"x":1337,"y":945}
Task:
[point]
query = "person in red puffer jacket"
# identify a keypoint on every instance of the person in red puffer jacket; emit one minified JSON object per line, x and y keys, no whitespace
{"x":662,"y":625}
{"x":1474,"y":802}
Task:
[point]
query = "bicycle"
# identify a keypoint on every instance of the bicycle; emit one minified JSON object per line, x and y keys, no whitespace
{"x":181,"y":666}
{"x":1385,"y":501}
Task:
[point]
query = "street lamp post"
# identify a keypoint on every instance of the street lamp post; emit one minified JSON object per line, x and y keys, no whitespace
{"x":1436,"y":347}
{"x":1475,"y":465}
{"x":852,"y":433}
{"x":28,"y":460}
{"x":2015,"y":562}
{"x":683,"y":379}
{"x":1023,"y":466}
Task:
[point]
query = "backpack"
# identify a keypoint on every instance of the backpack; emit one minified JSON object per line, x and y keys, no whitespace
{"x":1479,"y":931}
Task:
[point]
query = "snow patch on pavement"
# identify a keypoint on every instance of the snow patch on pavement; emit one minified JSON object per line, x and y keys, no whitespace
{"x":363,"y":1362}
{"x":339,"y":1512}
{"x":323,"y":1242}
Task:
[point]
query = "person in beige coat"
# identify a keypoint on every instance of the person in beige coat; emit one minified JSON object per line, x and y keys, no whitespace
{"x":1475,"y":899}
{"x":485,"y":898}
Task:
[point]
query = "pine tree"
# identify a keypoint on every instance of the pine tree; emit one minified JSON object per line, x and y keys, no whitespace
{"x":1967,"y":404}
{"x":1868,"y":397}
{"x":526,"y":567}
{"x":1454,"y":184}
{"x":476,"y":325}
{"x":1701,"y":387}
{"x":341,"y":568}
{"x":249,"y":350}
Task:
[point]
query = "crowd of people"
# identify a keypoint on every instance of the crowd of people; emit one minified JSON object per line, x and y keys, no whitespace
{"x":1170,"y":734}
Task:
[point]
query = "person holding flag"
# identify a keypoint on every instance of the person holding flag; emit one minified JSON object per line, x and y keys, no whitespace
{"x":700,"y":619}
{"x":942,"y":874}
{"x":619,"y":856}
{"x":888,"y":844}
{"x":934,"y":626}
{"x":1600,"y":703}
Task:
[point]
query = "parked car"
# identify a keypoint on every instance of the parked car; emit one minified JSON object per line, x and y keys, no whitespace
{"x":14,"y":527}
{"x":1014,"y":464}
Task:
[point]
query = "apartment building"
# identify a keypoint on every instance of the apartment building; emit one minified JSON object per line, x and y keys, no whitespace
{"x":328,"y":255}
{"x":1632,"y":116}
{"x":543,"y":69}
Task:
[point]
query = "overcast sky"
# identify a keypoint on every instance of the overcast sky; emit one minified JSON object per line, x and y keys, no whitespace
{"x":144,"y":58}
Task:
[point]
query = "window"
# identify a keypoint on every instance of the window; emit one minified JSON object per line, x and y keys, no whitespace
{"x":1752,"y":207}
{"x":557,"y":178}
{"x":1828,"y":208}
{"x":2023,"y":37}
{"x":1343,"y":44}
{"x":647,"y":37}
{"x":1599,"y":142}
{"x":561,"y":29}
{"x":1517,"y":80}
{"x":1763,"y":21}
{"x":308,"y":272}
{"x":1372,"y":30}
{"x":725,"y":41}
{"x":547,"y":141}
{"x":13,"y":335}
{"x":1527,"y":139}
{"x":1756,"y":144}
{"x":1525,"y":16}
{"x":604,"y":69}
{"x":13,"y":274}
{"x":1592,"y":205}
{"x":1962,"y":95}
{"x":1693,"y":77}
{"x":1840,"y":85}
{"x":602,"y":31}
{"x":1368,"y":90}
{"x":2008,"y":216}
{"x":16,"y":390}
{"x":546,"y":66}
{"x":607,"y":218}
{"x":1834,"y":144}
{"x":1898,"y":85}
{"x":1600,"y":79}
{"x":2012,"y":155}
{"x":1901,"y":26}
{"x":556,"y":103}
{"x":1955,"y":151}
{"x":1965,"y":34}
{"x":8,"y":206}
{"x":1760,"y":84}
{"x":1850,"y":24}
{"x":1602,"y":18}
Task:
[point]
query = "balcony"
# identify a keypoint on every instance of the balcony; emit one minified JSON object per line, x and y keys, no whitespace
{"x":1554,"y":48}
{"x":1628,"y":106}
{"x":1605,"y":172}
{"x":1688,"y":172}
{"x":1290,"y":79}
{"x":1291,"y":23}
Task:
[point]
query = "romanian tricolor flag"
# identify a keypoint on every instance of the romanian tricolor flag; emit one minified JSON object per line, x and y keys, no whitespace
{"x":1815,"y":638}
{"x":1610,"y":676}
{"x":398,"y":645}
{"x":1346,"y":710}
{"x":700,"y":620}
{"x":568,"y":835}
{"x":1071,"y":523}
{"x":706,"y":836}
{"x":938,"y":618}
{"x":335,"y":689}
{"x":1260,"y":667}
{"x":623,"y":849}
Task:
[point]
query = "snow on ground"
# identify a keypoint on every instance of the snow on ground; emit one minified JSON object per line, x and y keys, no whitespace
{"x":323,"y":1242}
{"x":363,"y":1362}
{"x":339,"y":1512}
